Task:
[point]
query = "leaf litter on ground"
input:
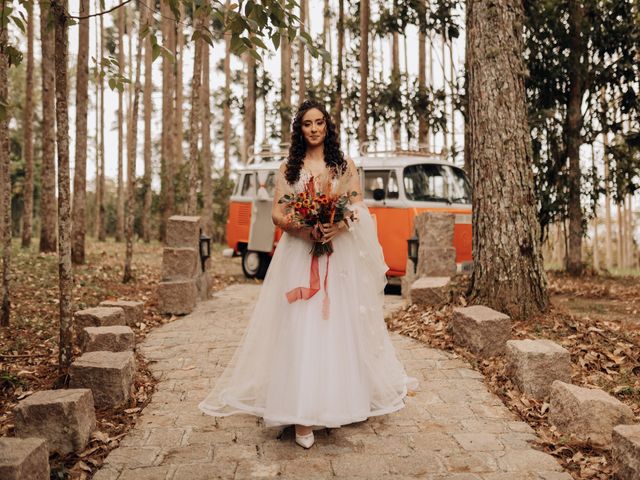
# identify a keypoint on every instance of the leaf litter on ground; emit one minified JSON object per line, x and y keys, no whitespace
{"x":603,"y":353}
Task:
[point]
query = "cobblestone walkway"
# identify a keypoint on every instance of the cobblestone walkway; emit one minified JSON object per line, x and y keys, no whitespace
{"x":452,"y":429}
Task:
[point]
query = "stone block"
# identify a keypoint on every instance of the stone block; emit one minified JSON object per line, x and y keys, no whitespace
{"x":178,"y":297}
{"x":183,"y":231}
{"x":535,"y":364}
{"x":109,"y":375}
{"x":588,"y":413}
{"x":436,"y":261}
{"x":24,"y":459}
{"x":107,"y":339}
{"x":407,"y":279}
{"x":433,"y":291}
{"x":99,"y":317}
{"x":435,"y":229}
{"x":64,"y":418}
{"x":180,"y":263}
{"x":626,"y":452}
{"x":482,"y":330}
{"x":133,"y":310}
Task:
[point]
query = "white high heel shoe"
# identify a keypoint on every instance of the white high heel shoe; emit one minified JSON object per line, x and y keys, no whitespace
{"x":305,"y":441}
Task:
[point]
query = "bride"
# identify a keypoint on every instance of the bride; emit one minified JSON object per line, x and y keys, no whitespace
{"x":316,"y":352}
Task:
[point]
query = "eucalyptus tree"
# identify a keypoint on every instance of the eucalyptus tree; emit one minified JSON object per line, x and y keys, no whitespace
{"x":598,"y":45}
{"x":339,"y":79}
{"x":80,"y":169}
{"x":65,"y":276}
{"x":364,"y":71}
{"x":148,"y":111}
{"x":508,"y":272}
{"x":48,"y":214}
{"x":120,"y":22}
{"x":27,"y":215}
{"x":5,"y":166}
{"x":249,"y":107}
{"x":132,"y":151}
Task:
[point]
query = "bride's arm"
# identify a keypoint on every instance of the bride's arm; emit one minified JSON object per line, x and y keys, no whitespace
{"x":278,"y":215}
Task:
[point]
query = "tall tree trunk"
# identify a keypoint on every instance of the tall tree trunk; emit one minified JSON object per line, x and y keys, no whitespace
{"x":285,"y":75}
{"x":64,"y":195}
{"x":5,"y":179}
{"x":207,"y":154}
{"x":596,"y":253}
{"x":608,"y":254}
{"x":423,"y":126}
{"x":302,"y":90}
{"x":508,"y":272}
{"x":326,"y":28}
{"x":102,"y":223}
{"x":452,"y":79}
{"x":148,"y":110}
{"x":249,"y":137}
{"x":574,"y":138}
{"x":620,"y":239}
{"x":195,"y":120}
{"x":226,"y":113}
{"x":630,"y":229}
{"x":80,"y":174}
{"x":27,"y":215}
{"x":430,"y":133}
{"x":121,"y":139}
{"x":337,"y":106}
{"x":445,"y":131}
{"x":167,"y":150}
{"x":364,"y":71}
{"x":95,"y":213}
{"x":395,"y":79}
{"x":131,"y":154}
{"x":178,"y":129}
{"x":48,"y":215}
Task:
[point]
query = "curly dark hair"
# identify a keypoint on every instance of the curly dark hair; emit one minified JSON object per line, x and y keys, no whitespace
{"x":333,"y":156}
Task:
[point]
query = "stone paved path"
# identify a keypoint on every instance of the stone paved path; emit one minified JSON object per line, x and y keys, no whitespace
{"x":452,"y":429}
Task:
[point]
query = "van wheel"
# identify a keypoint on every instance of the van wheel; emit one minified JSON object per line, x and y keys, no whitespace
{"x":255,"y":264}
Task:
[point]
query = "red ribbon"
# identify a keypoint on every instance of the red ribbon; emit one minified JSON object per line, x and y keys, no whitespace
{"x":305,"y":293}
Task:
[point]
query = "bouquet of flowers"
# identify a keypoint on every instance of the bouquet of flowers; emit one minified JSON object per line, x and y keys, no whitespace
{"x":311,"y":208}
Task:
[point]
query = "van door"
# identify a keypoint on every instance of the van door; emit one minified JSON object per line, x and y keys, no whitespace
{"x":262,"y":231}
{"x":391,"y":218}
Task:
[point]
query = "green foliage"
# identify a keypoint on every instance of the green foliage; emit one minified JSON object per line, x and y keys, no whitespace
{"x":609,"y":46}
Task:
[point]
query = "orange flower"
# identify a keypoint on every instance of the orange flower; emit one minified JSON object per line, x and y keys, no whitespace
{"x":297,"y":205}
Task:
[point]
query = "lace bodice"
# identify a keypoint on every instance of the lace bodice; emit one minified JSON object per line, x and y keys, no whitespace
{"x":304,"y":177}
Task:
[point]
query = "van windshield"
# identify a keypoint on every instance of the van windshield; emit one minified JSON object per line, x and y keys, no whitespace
{"x":436,"y":183}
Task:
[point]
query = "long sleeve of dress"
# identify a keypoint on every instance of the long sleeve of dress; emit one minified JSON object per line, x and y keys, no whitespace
{"x":364,"y":231}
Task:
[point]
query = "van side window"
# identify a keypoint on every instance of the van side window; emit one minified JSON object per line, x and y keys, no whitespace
{"x":393,"y":191}
{"x":387,"y":180}
{"x":375,"y":179}
{"x":270,"y":184}
{"x":249,"y":185}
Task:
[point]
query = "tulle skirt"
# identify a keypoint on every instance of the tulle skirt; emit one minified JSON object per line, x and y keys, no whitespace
{"x":296,"y":365}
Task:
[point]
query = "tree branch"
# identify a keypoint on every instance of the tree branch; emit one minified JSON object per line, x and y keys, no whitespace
{"x":82,"y":17}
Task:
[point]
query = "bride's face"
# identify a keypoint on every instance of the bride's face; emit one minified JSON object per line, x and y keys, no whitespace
{"x":314,"y":127}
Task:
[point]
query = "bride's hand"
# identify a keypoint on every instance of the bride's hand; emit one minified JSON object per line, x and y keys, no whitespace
{"x":330,"y":230}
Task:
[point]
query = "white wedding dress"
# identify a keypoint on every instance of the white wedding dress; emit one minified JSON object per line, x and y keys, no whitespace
{"x":295,"y":365}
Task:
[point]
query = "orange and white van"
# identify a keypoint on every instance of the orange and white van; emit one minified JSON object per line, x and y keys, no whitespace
{"x":397,"y":186}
